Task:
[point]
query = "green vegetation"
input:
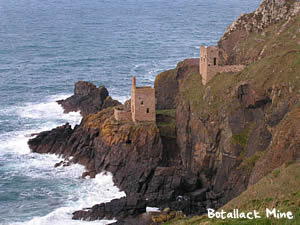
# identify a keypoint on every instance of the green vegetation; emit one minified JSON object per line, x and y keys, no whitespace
{"x":275,"y":73}
{"x":249,"y":162}
{"x":114,"y":132}
{"x":165,"y":120}
{"x":277,"y":70}
{"x":242,"y":138}
{"x":165,"y":77}
{"x":280,"y":190}
{"x":166,"y":112}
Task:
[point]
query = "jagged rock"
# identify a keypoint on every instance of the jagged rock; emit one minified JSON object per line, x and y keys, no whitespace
{"x":128,"y":151}
{"x":51,"y":141}
{"x":215,"y":152}
{"x":91,"y":174}
{"x":278,"y":114}
{"x":251,"y":98}
{"x":117,"y":208}
{"x":284,"y":148}
{"x":87,"y":99}
{"x":58,"y":164}
{"x":269,"y":12}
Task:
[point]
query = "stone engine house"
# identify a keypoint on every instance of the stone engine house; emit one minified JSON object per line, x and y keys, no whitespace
{"x":142,"y":105}
{"x":209,"y":64}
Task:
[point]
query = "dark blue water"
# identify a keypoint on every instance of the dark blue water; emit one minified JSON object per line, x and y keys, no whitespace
{"x":48,"y":45}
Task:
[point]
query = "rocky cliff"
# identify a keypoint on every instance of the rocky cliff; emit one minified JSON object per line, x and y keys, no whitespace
{"x":210,"y":143}
{"x":240,"y":127}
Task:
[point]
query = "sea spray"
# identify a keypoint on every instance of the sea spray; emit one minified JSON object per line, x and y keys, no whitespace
{"x":36,"y":191}
{"x":92,"y":191}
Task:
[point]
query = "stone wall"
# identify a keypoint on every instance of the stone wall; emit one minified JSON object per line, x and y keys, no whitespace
{"x":143,"y":104}
{"x":209,"y":61}
{"x":203,"y":63}
{"x":209,"y":64}
{"x":122,"y":115}
{"x":211,"y":72}
{"x":233,"y":68}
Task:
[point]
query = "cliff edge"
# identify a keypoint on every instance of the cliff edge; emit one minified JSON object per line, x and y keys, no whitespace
{"x":209,"y":143}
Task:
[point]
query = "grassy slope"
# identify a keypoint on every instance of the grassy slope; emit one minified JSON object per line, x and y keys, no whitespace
{"x":114,"y":132}
{"x":279,"y":68}
{"x":280,"y":189}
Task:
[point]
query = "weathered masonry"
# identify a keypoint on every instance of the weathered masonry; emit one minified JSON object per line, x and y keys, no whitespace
{"x":142,"y":105}
{"x":209,"y":64}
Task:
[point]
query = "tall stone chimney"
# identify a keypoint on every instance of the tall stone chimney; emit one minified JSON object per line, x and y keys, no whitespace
{"x":133,"y":82}
{"x":133,"y":87}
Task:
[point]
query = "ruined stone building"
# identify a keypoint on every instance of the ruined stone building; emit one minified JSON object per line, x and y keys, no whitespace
{"x":209,"y":64}
{"x":142,"y":105}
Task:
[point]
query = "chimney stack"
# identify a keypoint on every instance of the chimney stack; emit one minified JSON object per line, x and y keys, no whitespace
{"x":133,"y":83}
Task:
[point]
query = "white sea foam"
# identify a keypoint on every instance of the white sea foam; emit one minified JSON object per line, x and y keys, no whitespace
{"x":34,"y":118}
{"x":37,"y":165}
{"x":152,"y":209}
{"x":92,"y":191}
{"x":48,"y":110}
{"x":83,"y":193}
{"x":121,"y":99}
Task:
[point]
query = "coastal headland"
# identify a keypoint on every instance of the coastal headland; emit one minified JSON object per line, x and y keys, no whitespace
{"x":210,"y":142}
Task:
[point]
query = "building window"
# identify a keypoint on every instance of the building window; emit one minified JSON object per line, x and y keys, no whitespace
{"x":147,"y":110}
{"x":215,"y":61}
{"x":142,"y":103}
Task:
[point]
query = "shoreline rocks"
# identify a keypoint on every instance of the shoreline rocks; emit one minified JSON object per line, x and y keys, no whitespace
{"x":197,"y":155}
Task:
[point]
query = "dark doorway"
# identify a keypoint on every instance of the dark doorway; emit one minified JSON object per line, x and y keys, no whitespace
{"x":215,"y":61}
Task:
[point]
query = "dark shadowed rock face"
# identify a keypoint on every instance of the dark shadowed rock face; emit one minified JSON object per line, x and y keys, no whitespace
{"x":130,"y":151}
{"x":222,"y":147}
{"x":166,"y":88}
{"x":51,"y":141}
{"x":117,"y":208}
{"x":87,"y":99}
{"x":219,"y":141}
{"x":205,"y":159}
{"x":133,"y":153}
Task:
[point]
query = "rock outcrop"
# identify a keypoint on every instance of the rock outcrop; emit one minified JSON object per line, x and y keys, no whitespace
{"x":118,"y":208}
{"x":87,"y":99}
{"x":269,"y":12}
{"x":133,"y":153}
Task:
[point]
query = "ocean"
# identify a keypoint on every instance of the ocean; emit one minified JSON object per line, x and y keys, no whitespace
{"x":47,"y":46}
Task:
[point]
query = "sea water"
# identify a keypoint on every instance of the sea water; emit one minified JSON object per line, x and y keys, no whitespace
{"x":48,"y":45}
